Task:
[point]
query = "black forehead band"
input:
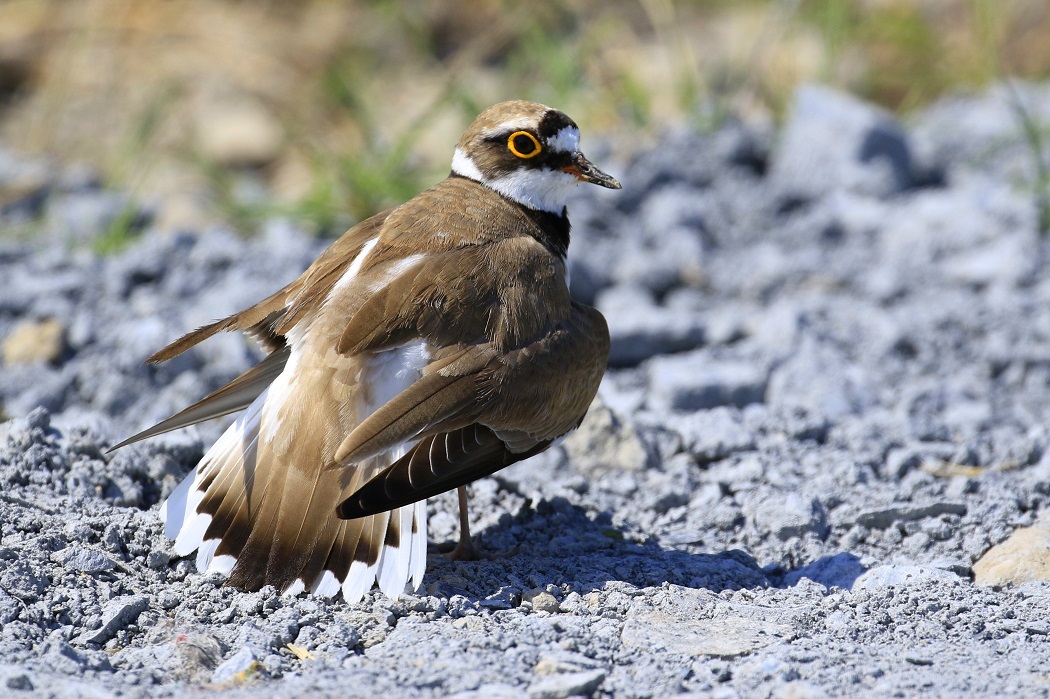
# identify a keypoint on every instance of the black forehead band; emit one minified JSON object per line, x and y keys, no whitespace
{"x":553,"y":122}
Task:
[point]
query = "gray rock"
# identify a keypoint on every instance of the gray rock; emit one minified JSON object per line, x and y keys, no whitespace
{"x":729,"y":637}
{"x":907,"y":512}
{"x":605,"y":442}
{"x":710,"y":435}
{"x":157,"y":559}
{"x":671,"y":209}
{"x":24,"y":183}
{"x":240,"y":663}
{"x":82,"y":216}
{"x":85,"y":560}
{"x":19,"y":682}
{"x":505,"y":598}
{"x":789,"y":516}
{"x":822,"y":381}
{"x":64,"y":658}
{"x":698,"y":381}
{"x":902,"y":575}
{"x":1002,"y":261}
{"x":9,"y":608}
{"x":868,"y":154}
{"x":840,"y":570}
{"x":675,"y":260}
{"x":117,"y":614}
{"x":494,"y":690}
{"x":566,"y":685}
{"x":690,"y":622}
{"x":640,"y":329}
{"x":980,"y":132}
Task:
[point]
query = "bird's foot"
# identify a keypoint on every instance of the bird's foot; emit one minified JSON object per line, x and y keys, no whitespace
{"x":467,"y":550}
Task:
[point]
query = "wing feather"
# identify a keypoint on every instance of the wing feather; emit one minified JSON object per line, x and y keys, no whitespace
{"x":478,"y":411}
{"x":436,"y":464}
{"x":432,"y":401}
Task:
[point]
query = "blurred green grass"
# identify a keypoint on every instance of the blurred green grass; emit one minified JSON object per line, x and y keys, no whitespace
{"x":368,"y":97}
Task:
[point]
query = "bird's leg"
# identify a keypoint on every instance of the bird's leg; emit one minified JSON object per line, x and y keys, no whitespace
{"x":466,"y":549}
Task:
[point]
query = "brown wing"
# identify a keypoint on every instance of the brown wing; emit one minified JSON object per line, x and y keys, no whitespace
{"x":267,"y":322}
{"x":522,"y":399}
{"x":436,"y":464}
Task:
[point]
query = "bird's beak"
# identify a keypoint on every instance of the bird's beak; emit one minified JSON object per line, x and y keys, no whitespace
{"x":585,"y":171}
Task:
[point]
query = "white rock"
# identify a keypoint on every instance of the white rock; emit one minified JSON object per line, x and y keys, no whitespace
{"x":566,"y":685}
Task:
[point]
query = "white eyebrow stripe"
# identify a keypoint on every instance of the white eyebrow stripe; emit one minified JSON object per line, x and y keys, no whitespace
{"x":517,"y":124}
{"x":567,"y":140}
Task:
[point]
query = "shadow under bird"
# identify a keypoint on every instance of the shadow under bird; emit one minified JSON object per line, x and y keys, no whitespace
{"x":431,"y":345}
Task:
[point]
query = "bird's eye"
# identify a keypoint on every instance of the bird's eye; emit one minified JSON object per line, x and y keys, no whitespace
{"x":523,"y":144}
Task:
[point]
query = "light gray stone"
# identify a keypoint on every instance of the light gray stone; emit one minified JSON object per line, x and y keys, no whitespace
{"x":869,"y":152}
{"x":903,"y":575}
{"x":710,"y":435}
{"x":723,"y":637}
{"x":85,"y":560}
{"x":240,"y":664}
{"x":907,"y":512}
{"x":791,"y":515}
{"x":639,"y":328}
{"x":820,"y":380}
{"x":116,"y":615}
{"x":698,"y":381}
{"x":605,"y":442}
{"x":493,"y":690}
{"x":566,"y":685}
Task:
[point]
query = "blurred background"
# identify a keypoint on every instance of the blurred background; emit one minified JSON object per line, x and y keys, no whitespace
{"x":325,"y":112}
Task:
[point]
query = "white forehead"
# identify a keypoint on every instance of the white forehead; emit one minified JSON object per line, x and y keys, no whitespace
{"x":567,"y":140}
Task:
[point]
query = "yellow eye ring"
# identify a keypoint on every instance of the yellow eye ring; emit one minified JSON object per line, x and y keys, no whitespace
{"x":524,"y":145}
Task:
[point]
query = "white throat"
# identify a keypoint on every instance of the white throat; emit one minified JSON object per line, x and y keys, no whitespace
{"x":545,"y":190}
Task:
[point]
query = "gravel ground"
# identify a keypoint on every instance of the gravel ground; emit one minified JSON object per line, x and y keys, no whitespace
{"x":829,"y":398}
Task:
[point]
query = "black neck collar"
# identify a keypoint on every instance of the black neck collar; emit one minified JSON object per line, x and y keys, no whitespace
{"x":554,"y":228}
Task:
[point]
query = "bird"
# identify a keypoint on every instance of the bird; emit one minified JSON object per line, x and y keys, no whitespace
{"x":431,"y":345}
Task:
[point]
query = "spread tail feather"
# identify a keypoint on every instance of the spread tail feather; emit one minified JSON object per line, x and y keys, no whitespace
{"x":262,"y":521}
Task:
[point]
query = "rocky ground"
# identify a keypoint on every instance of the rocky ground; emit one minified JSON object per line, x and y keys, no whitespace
{"x":817,"y":465}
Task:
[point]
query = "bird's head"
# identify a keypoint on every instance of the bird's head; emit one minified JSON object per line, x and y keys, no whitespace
{"x":527,"y":152}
